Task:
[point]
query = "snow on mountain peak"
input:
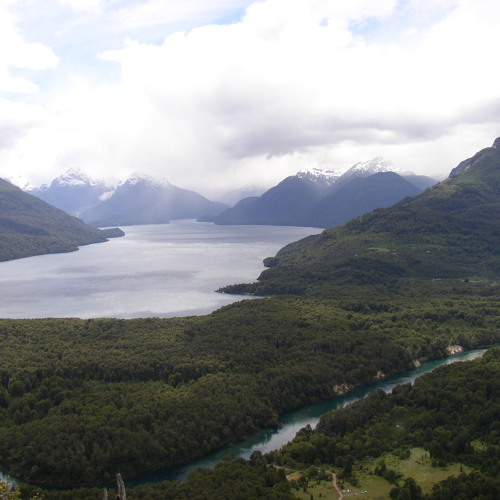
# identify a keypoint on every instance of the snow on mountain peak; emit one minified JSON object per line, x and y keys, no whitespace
{"x":373,"y":166}
{"x":21,"y":182}
{"x":324,"y":177}
{"x":75,"y":177}
{"x":159,"y":183}
{"x":370,"y":167}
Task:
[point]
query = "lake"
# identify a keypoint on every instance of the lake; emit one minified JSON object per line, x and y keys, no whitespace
{"x":162,"y":270}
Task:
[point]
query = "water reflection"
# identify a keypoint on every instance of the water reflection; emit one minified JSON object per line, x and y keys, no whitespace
{"x":157,"y":270}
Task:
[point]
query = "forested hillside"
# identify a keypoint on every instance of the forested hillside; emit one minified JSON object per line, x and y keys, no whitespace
{"x":432,"y":242}
{"x":29,"y":226}
{"x":450,"y":416}
{"x":83,"y":399}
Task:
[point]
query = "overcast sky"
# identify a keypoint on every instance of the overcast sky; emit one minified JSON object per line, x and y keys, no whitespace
{"x":212,"y":94}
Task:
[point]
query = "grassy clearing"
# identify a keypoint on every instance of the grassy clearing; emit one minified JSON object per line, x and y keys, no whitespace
{"x":418,"y":465}
{"x":323,"y":490}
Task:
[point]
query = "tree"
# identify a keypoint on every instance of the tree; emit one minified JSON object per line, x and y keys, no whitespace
{"x":409,"y":491}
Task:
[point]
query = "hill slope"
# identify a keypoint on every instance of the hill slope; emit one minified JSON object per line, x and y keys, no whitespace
{"x":359,"y":196}
{"x":29,"y":226}
{"x":450,"y":231}
{"x":447,"y":417}
{"x":287,"y":204}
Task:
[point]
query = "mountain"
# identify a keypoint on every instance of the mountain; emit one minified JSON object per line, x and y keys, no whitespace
{"x":30,"y":226}
{"x":420,"y":181}
{"x":72,"y":192}
{"x":358,"y":196}
{"x":323,"y":198}
{"x":286,"y":204}
{"x":145,"y":200}
{"x":445,"y":238}
{"x":322,"y":179}
{"x":378,"y":165}
{"x":234,"y":196}
{"x":366,"y":169}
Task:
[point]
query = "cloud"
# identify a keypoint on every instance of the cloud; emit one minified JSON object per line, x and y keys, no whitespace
{"x":287,"y":86}
{"x":18,"y":53}
{"x":83,"y":5}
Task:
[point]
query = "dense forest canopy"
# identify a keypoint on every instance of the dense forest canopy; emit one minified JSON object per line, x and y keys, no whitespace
{"x":83,"y":399}
{"x":452,"y":414}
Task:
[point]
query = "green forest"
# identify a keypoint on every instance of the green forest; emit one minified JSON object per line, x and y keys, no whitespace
{"x":452,"y":414}
{"x":81,"y":400}
{"x":448,"y":419}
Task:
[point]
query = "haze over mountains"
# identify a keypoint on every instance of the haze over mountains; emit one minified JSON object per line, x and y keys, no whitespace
{"x":73,"y":191}
{"x":314,"y":198}
{"x":326,"y":199}
{"x":144,"y":200}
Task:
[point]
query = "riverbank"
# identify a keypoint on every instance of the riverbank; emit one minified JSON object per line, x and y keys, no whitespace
{"x":151,"y":393}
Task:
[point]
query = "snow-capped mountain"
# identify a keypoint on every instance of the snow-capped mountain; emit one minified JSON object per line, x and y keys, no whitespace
{"x":148,"y":200}
{"x":153,"y":182}
{"x":367,"y":168}
{"x":73,"y":191}
{"x":323,"y":198}
{"x":21,"y":182}
{"x":287,"y":203}
{"x":75,"y":177}
{"x":379,"y":165}
{"x":323,"y":178}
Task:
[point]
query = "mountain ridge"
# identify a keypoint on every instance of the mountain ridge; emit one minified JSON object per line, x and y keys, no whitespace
{"x":147,"y":200}
{"x":72,"y":191}
{"x":319,"y":198}
{"x":446,"y":235}
{"x":30,"y":226}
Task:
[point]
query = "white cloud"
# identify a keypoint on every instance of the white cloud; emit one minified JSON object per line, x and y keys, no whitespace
{"x":291,"y":85}
{"x":18,"y":53}
{"x":83,"y":5}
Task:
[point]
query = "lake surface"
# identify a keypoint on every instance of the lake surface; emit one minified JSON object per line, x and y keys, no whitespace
{"x":154,"y":270}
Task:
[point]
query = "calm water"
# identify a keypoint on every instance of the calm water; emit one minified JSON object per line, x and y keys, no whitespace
{"x":156,"y":270}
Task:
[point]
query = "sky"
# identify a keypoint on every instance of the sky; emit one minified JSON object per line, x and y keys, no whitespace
{"x":214,"y":95}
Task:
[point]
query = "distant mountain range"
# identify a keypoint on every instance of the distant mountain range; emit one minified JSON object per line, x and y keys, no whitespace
{"x":235,"y":195}
{"x":29,"y":226}
{"x":326,"y":199}
{"x":312,"y":198}
{"x":145,"y":200}
{"x":73,"y":192}
{"x":445,"y":238}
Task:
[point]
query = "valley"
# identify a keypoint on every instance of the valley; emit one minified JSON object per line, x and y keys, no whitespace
{"x":84,"y":399}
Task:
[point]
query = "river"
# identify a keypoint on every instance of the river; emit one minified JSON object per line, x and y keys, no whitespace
{"x":273,"y":439}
